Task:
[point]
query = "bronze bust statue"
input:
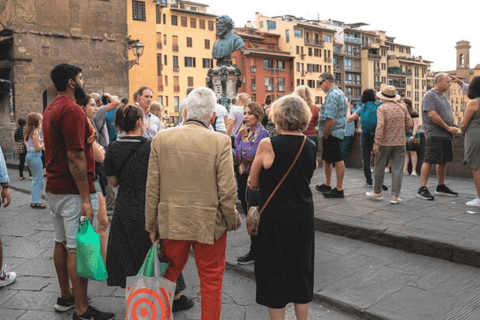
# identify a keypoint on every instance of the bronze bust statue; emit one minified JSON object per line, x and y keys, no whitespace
{"x":227,"y":42}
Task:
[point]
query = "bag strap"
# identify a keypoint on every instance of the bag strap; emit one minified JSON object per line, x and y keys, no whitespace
{"x":124,"y":163}
{"x":284,"y":177}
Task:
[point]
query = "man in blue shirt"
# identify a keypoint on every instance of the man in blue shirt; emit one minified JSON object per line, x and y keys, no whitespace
{"x":6,"y":278}
{"x":331,"y":130}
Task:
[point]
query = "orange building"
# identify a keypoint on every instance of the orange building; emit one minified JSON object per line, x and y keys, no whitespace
{"x":265,"y":68}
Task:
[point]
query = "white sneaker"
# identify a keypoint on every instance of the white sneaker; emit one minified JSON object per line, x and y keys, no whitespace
{"x":372,"y":170}
{"x":7,"y":278}
{"x":414,"y":173}
{"x":374,"y":196}
{"x":395,"y":199}
{"x":474,"y":203}
{"x":387,"y":170}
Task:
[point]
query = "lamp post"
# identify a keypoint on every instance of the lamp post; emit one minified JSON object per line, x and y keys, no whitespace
{"x":137,"y":48}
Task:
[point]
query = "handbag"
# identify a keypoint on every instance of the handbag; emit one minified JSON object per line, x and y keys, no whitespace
{"x":89,"y":258}
{"x":149,"y":297}
{"x":148,"y":265}
{"x":253,"y":216}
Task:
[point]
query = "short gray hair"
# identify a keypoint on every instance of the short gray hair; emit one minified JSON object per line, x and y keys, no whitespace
{"x":200,"y":104}
{"x":439,"y":77}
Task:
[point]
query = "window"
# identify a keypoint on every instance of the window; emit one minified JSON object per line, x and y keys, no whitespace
{"x":280,"y":84}
{"x":271,"y":25}
{"x":311,"y":84}
{"x":201,"y":24}
{"x":327,"y":38}
{"x":318,"y":100}
{"x":310,"y":52}
{"x":297,"y":33}
{"x":176,"y":85}
{"x":189,"y":62}
{"x":207,"y":63}
{"x":175,"y":61}
{"x":183,"y":21}
{"x":166,"y":101}
{"x":189,"y":42}
{"x":193,"y":22}
{"x":159,"y":64}
{"x":281,"y":65}
{"x":166,"y":80}
{"x":261,"y":24}
{"x":190,"y":82}
{"x":174,"y":20}
{"x":164,"y":18}
{"x":210,"y":25}
{"x":160,"y":99}
{"x":138,"y":10}
{"x":287,"y":35}
{"x":317,"y":52}
{"x":175,"y":43}
{"x":165,"y":59}
{"x":159,"y":40}
{"x":268,"y":84}
{"x":253,"y":97}
{"x":176,"y":103}
{"x":254,"y":83}
{"x":268,"y":64}
{"x":207,"y":43}
{"x":158,"y":14}
{"x":164,"y":39}
{"x":348,"y":64}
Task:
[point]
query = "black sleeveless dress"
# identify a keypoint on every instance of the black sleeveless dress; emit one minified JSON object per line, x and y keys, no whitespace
{"x":284,"y":262}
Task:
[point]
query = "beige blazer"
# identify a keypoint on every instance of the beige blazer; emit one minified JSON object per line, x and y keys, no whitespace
{"x":190,"y":187}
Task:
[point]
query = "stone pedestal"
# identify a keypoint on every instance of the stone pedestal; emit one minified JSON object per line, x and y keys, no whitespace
{"x":225,"y":81}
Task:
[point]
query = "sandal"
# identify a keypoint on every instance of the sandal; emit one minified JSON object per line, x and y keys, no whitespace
{"x":22,"y":178}
{"x":38,"y":206}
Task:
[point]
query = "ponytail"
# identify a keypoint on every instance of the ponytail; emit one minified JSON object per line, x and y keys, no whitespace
{"x":126,"y":117}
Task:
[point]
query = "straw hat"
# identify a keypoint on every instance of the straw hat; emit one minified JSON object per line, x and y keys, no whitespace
{"x":388,"y":93}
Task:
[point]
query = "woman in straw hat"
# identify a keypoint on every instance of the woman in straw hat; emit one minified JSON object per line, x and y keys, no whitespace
{"x":393,"y":121}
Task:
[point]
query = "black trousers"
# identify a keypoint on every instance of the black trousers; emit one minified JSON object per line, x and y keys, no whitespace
{"x":21,"y":165}
{"x":245,"y":194}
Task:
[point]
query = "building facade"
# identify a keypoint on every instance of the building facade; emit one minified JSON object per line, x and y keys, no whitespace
{"x":37,"y":35}
{"x":266,"y":70}
{"x":178,"y":38}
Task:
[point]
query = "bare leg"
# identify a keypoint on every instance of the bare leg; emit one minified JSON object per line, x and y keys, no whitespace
{"x":327,"y":166}
{"x":60,"y":260}
{"x":79,"y":284}
{"x":340,"y":172}
{"x":407,"y":160}
{"x":425,"y":173}
{"x":301,"y":311}
{"x":476,"y":179}
{"x":413,"y":156}
{"x":441,"y":171}
{"x":102,"y":227}
{"x":276,"y":314}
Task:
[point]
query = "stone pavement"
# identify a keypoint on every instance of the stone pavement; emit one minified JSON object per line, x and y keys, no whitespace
{"x":27,"y":235}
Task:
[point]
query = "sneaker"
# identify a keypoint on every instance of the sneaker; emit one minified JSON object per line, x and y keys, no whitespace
{"x":387,"y":170}
{"x":184,"y":303}
{"x":7,"y":277}
{"x":474,"y":203}
{"x":63,"y":305}
{"x":246,"y":259}
{"x":384,"y":187}
{"x":424,"y":194}
{"x":414,"y":173}
{"x":395,"y":199}
{"x":94,"y":314}
{"x":374,"y":196}
{"x":334,"y":194}
{"x":443,"y":190}
{"x":323,"y":188}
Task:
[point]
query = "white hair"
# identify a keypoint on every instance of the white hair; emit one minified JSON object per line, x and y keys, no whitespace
{"x":200,"y":104}
{"x":439,"y":77}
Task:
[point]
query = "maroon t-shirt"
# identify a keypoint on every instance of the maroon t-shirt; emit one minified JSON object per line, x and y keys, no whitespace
{"x":73,"y":131}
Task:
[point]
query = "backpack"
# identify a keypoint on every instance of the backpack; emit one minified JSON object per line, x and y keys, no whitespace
{"x":368,"y":117}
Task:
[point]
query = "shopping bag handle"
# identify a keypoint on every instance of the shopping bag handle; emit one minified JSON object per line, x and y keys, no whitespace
{"x":155,"y":259}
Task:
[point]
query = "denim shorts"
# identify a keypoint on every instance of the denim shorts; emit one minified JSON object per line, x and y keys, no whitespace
{"x":66,"y":210}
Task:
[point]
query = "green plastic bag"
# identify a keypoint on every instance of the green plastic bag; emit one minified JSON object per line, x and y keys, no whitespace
{"x":148,"y":266}
{"x":89,"y":258}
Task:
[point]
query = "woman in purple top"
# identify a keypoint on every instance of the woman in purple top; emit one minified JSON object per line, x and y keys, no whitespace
{"x":245,"y":147}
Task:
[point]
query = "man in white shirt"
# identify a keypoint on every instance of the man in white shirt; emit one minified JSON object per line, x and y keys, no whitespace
{"x":152,"y":122}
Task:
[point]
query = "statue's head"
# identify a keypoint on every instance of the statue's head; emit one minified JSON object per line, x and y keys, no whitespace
{"x":224,"y":25}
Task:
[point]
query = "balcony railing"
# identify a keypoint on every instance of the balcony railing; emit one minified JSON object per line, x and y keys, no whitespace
{"x":269,"y":88}
{"x":281,"y":88}
{"x":397,"y":84}
{"x":175,"y":47}
{"x":398,"y":70}
{"x":376,"y":71}
{"x":314,"y":42}
{"x":353,"y":39}
{"x":176,"y":68}
{"x":374,"y":56}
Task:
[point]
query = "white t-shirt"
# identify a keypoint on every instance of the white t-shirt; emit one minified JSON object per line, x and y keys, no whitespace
{"x":221,"y":113}
{"x":236,"y":114}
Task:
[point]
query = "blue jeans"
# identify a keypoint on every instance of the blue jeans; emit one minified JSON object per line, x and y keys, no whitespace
{"x":367,"y":146}
{"x":34,"y":161}
{"x":347,"y":142}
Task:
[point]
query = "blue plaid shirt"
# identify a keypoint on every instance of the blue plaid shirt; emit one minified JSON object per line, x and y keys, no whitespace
{"x":335,"y":107}
{"x":3,"y":169}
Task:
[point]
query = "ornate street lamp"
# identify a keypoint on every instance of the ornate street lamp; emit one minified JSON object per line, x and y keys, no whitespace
{"x":137,"y":48}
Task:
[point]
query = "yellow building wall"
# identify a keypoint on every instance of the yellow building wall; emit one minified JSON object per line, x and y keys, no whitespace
{"x":144,"y":74}
{"x":302,"y":78}
{"x":170,"y":91}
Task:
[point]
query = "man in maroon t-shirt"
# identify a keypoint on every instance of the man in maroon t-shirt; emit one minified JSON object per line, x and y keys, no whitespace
{"x":70,"y":167}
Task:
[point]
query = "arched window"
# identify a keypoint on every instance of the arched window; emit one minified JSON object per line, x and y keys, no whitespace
{"x":461,"y":60}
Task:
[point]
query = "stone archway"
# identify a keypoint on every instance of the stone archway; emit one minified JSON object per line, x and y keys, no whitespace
{"x":48,"y":95}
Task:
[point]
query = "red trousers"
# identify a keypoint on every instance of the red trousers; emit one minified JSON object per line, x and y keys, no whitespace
{"x":210,"y":261}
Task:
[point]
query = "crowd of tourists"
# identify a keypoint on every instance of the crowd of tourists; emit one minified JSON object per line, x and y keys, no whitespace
{"x":180,"y":185}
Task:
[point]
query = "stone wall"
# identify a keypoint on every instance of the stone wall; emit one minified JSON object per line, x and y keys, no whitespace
{"x":91,"y":34}
{"x":454,"y":168}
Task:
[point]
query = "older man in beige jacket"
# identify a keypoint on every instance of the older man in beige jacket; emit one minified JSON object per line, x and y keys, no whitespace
{"x":191,"y":197}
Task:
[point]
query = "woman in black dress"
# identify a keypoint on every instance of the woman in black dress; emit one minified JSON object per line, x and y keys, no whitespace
{"x":285,"y":246}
